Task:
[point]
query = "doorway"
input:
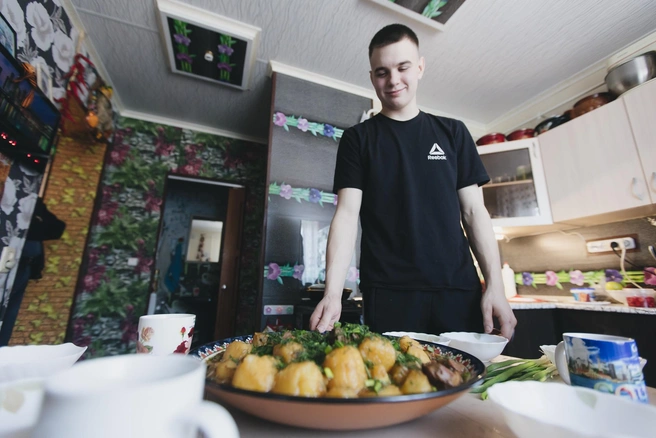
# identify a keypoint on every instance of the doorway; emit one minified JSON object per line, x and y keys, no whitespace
{"x":197,"y":255}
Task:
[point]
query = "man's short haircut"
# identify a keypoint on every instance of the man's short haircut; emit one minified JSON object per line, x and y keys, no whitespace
{"x":391,"y":34}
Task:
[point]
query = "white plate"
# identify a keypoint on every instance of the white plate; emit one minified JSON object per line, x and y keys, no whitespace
{"x":421,"y":337}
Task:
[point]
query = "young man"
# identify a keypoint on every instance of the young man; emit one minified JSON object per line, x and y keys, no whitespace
{"x":412,"y":178}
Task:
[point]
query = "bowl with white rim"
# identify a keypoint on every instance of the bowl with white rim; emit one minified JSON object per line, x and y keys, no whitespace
{"x":547,"y":410}
{"x":482,"y":345}
{"x":21,"y":362}
{"x":435,"y":339}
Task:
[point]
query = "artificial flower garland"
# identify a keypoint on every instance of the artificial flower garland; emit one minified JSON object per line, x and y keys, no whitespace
{"x":275,"y":272}
{"x":284,"y":121}
{"x":551,"y":278}
{"x":314,"y":196}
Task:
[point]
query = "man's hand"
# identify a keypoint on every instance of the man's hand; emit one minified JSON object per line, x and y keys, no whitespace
{"x":326,"y":314}
{"x":494,"y":303}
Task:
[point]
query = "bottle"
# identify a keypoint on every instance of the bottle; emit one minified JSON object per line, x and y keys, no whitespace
{"x":508,"y":276}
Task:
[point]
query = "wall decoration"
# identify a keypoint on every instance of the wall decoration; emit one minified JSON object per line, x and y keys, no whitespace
{"x":314,"y":196}
{"x":7,"y":36}
{"x":433,"y":13}
{"x":208,"y":46}
{"x":578,"y":278}
{"x":284,"y":121}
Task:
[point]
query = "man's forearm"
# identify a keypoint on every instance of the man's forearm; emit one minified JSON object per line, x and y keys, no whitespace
{"x":478,"y":226}
{"x":341,"y":242}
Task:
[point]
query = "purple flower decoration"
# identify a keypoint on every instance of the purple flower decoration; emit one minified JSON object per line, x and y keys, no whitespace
{"x":226,"y":50}
{"x":315,"y":196}
{"x":302,"y":124}
{"x":224,"y":66}
{"x":279,"y":119}
{"x":614,"y":275}
{"x":181,"y":39}
{"x":527,"y":279}
{"x":274,"y":271}
{"x":552,"y":278}
{"x":184,"y":57}
{"x":576,"y":277}
{"x":353,"y":274}
{"x":286,"y":191}
{"x":328,"y":130}
{"x":298,"y":271}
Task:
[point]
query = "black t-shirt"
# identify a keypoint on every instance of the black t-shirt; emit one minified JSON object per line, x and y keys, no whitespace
{"x":409,"y":173}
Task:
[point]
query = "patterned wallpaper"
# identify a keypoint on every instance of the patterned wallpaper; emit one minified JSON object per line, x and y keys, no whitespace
{"x":112,"y":295}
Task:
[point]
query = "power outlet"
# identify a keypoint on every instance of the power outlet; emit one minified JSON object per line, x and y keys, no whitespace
{"x":597,"y":246}
{"x":7,"y":259}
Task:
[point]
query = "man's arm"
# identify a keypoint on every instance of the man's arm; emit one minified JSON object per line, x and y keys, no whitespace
{"x":478,"y":225}
{"x":341,"y":241}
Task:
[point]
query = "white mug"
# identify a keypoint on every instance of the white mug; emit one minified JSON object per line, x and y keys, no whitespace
{"x":165,"y":333}
{"x":132,"y":396}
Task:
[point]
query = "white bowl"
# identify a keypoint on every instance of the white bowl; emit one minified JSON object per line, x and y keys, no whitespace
{"x":548,"y":410}
{"x":20,"y":404}
{"x":36,"y":361}
{"x":421,"y":337}
{"x":483,"y":346}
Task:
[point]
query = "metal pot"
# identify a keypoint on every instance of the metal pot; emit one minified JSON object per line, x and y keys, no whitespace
{"x":632,"y":73}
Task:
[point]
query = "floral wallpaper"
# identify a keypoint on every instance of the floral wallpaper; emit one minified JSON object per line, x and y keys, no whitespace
{"x":16,"y":207}
{"x":112,"y":295}
{"x":44,"y":35}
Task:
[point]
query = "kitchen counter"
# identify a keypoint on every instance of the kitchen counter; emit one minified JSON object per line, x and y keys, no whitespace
{"x":553,"y":302}
{"x":469,"y":416}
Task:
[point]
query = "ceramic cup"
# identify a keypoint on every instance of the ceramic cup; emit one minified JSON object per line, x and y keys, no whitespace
{"x":132,"y":396}
{"x":166,"y":333}
{"x":606,"y":363}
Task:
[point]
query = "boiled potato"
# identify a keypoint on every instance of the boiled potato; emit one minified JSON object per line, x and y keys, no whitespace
{"x":256,"y":373}
{"x":336,"y":392}
{"x":387,"y":391}
{"x":406,"y":342}
{"x":288,"y":352}
{"x":347,"y":367}
{"x":378,"y":351}
{"x":260,"y":339}
{"x":416,"y":383}
{"x":222,"y":372}
{"x":379,"y":372}
{"x":302,"y":378}
{"x":236,"y":351}
{"x":419,"y":353}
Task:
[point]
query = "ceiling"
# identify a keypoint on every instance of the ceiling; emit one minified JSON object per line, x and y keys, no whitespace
{"x":494,"y":56}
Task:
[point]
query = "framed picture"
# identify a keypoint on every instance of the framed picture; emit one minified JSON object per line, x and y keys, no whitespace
{"x":44,"y":80}
{"x":433,"y":13}
{"x":7,"y":36}
{"x":208,"y":46}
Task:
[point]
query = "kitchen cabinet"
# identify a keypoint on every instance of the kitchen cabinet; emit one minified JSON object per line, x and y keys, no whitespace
{"x":641,"y":106}
{"x":517,"y":192}
{"x":592,"y":168}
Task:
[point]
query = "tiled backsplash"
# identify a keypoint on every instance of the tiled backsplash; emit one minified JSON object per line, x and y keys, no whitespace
{"x":566,"y":250}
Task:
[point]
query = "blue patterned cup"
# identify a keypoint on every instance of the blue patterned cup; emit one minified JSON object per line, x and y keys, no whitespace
{"x":606,"y":363}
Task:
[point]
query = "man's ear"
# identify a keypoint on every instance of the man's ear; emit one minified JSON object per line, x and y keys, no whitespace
{"x":421,"y":65}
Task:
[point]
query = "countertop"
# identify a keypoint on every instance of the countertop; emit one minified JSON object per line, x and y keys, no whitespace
{"x":555,"y":302}
{"x":469,"y":416}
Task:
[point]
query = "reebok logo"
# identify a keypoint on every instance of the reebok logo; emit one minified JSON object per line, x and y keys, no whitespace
{"x":436,"y":153}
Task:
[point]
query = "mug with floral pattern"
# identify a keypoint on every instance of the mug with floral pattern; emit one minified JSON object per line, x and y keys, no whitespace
{"x":165,"y":333}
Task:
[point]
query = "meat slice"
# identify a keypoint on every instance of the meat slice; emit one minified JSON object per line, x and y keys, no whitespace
{"x":457,"y":366}
{"x":441,"y":376}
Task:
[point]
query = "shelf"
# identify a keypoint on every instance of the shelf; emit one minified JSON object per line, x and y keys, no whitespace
{"x":508,"y":183}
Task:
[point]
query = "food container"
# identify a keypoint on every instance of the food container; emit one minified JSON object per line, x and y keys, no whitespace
{"x":550,"y":123}
{"x":630,"y":74}
{"x":584,"y":294}
{"x":635,"y":297}
{"x":491,"y":139}
{"x":520,"y":134}
{"x":590,"y":103}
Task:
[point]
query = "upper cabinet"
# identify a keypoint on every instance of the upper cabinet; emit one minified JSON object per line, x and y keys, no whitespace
{"x":516,"y":195}
{"x":641,"y":107}
{"x":592,"y":167}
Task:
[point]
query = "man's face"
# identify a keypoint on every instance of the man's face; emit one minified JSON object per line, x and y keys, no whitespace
{"x":395,"y":73}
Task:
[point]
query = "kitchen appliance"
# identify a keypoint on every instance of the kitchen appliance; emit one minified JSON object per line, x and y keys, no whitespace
{"x":631,"y":73}
{"x":520,"y":134}
{"x":590,"y":103}
{"x":491,"y":139}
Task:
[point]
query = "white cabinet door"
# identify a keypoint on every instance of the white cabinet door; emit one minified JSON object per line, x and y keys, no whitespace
{"x":592,"y":166}
{"x":641,"y":106}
